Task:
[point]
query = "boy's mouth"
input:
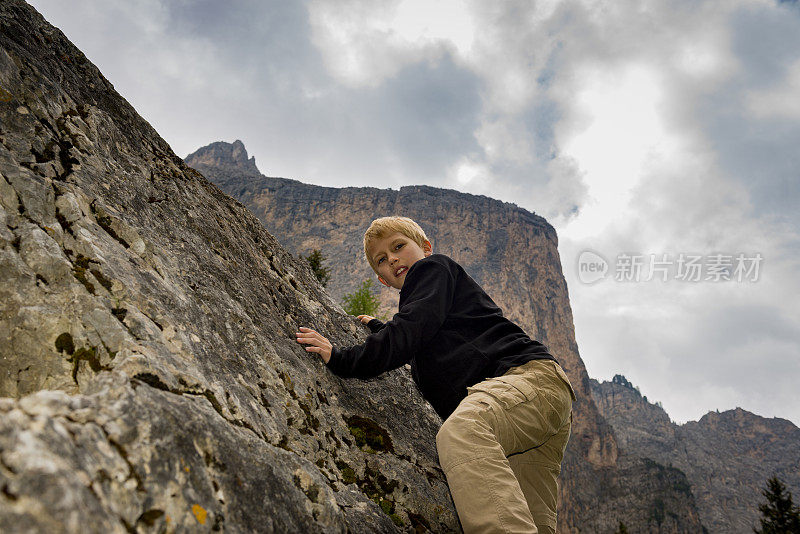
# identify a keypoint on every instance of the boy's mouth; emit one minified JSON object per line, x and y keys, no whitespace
{"x":400,"y":271}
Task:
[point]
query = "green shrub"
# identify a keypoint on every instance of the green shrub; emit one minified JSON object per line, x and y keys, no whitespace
{"x":316,"y":259}
{"x":363,"y":301}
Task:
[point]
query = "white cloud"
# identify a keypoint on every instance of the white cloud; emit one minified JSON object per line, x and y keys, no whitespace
{"x":466,"y":171}
{"x":614,"y":132}
{"x":507,"y":140}
{"x":364,"y":43}
{"x":675,"y":338}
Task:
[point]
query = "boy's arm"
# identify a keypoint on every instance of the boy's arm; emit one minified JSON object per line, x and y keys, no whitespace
{"x":375,"y":325}
{"x":371,"y":322}
{"x":430,"y":293}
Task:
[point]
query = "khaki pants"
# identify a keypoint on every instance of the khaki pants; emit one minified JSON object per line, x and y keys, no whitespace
{"x":501,"y":449}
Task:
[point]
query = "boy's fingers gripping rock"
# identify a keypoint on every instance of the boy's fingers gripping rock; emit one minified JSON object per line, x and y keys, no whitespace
{"x":318,"y":343}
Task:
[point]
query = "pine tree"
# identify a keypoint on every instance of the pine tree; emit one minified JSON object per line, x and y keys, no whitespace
{"x":315,"y":259}
{"x":780,"y":515}
{"x":363,"y":301}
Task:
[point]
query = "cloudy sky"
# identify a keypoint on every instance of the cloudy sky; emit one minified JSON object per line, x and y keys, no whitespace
{"x":643,"y":131}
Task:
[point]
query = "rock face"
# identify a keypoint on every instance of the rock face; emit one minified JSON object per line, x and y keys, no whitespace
{"x":727,"y":457}
{"x":147,"y":350}
{"x":513,"y":254}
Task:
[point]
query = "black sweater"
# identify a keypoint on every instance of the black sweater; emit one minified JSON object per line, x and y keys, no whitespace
{"x":448,"y":328}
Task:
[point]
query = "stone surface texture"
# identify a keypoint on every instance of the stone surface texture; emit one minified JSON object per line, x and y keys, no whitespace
{"x":148,"y":365}
{"x":513,"y":254}
{"x":727,"y":457}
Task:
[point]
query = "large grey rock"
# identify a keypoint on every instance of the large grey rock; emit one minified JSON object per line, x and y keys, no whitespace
{"x":147,"y":346}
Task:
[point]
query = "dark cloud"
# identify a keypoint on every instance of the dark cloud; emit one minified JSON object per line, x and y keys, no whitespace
{"x":762,"y":155}
{"x":412,"y":126}
{"x":264,"y":40}
{"x":539,"y":121}
{"x":759,"y":152}
{"x":765,"y":41}
{"x":428,"y":114}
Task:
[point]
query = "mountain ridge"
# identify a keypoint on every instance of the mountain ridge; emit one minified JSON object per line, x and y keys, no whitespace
{"x":203,"y":157}
{"x":726,"y":456}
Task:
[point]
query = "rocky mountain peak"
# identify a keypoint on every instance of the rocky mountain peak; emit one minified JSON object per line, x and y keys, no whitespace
{"x":622,"y":381}
{"x":733,"y":445}
{"x":231,"y":156}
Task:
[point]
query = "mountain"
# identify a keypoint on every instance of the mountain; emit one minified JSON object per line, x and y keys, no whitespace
{"x":513,"y":254}
{"x":150,"y":377}
{"x":229,"y":156}
{"x":727,"y":456}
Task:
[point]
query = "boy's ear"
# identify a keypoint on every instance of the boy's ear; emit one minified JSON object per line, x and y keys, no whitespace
{"x":427,"y":248}
{"x":383,"y":282}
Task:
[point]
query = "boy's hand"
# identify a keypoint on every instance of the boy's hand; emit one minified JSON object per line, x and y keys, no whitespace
{"x":365,"y":318}
{"x":317,"y":342}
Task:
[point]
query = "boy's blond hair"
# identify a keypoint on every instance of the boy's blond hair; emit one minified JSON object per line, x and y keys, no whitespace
{"x":384,"y":226}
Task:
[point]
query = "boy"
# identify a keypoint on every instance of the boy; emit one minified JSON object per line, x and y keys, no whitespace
{"x":505,"y":401}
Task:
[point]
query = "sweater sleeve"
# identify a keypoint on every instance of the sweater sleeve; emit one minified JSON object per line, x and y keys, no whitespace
{"x":430,"y":288}
{"x":375,"y":325}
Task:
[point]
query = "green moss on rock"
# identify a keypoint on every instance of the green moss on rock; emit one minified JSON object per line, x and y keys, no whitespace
{"x":105,"y":282}
{"x":64,"y":343}
{"x":105,"y":223}
{"x":88,"y":355}
{"x":348,"y":474}
{"x":312,"y":492}
{"x":397,"y":520}
{"x":368,"y":432}
{"x":79,"y":271}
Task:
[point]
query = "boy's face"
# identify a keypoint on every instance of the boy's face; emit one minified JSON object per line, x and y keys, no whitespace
{"x":394,"y":255}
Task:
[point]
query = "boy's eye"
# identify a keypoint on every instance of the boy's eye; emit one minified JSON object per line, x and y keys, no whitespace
{"x":380,"y":260}
{"x":399,"y":246}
